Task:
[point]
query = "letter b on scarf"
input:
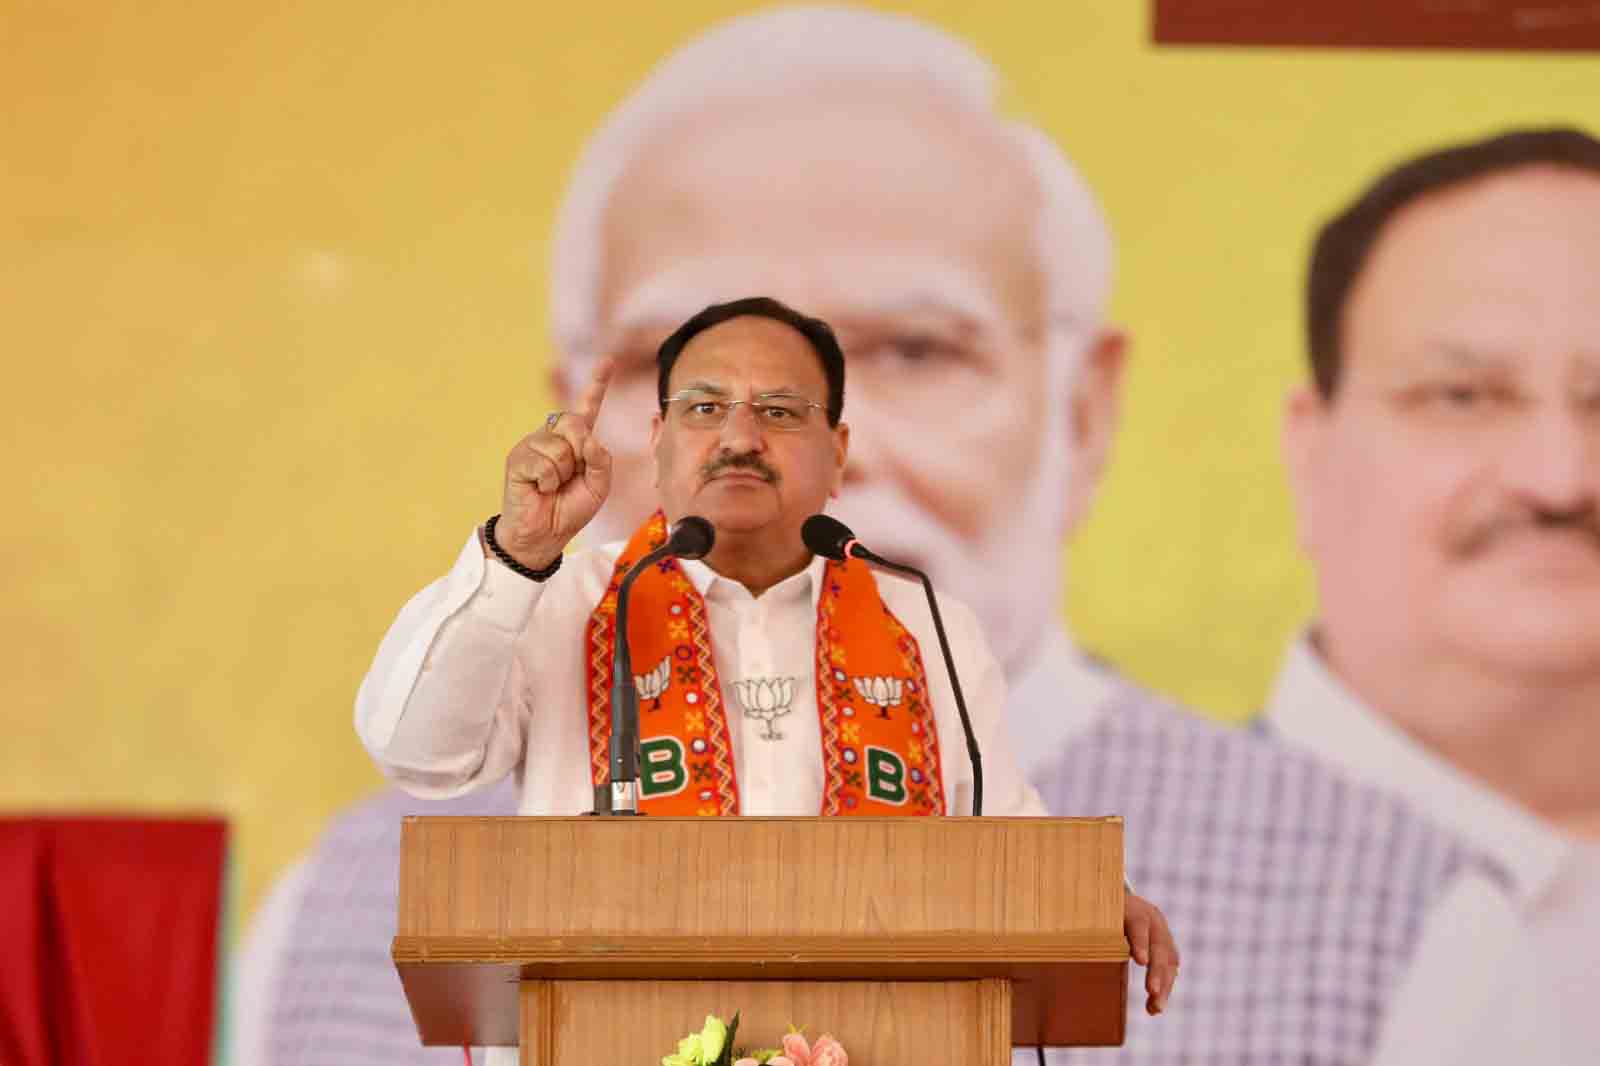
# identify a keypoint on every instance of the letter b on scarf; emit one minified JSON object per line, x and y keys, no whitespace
{"x":661,"y":769}
{"x":886,"y":776}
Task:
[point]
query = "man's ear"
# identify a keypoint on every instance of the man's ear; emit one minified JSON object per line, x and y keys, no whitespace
{"x":1305,"y":422}
{"x":655,"y":448}
{"x":1094,"y":408}
{"x":841,"y":453}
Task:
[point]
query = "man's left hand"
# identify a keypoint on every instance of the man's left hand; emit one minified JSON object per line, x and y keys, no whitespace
{"x":1153,"y":948}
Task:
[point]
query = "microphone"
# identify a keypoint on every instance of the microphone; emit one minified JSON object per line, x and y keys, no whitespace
{"x":830,"y":538}
{"x":692,"y":538}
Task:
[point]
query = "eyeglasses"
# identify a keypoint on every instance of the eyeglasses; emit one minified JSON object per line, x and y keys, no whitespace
{"x":699,"y":409}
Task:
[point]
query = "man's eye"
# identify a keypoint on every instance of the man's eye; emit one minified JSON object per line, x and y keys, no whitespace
{"x":910,"y":350}
{"x":918,"y":349}
{"x":779,"y":414}
{"x":704,"y":407}
{"x":1461,"y":395}
{"x":1453,"y":395}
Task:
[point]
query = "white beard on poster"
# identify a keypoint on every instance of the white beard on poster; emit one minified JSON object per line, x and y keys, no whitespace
{"x":1012,"y":578}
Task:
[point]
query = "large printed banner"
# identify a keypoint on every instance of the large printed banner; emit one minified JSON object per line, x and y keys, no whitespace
{"x":282,"y":288}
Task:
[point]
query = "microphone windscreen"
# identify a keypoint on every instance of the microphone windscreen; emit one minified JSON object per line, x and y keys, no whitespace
{"x":826,"y":536}
{"x":692,"y":537}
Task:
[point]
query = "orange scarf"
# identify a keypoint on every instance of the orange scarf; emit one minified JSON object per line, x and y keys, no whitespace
{"x":880,"y":747}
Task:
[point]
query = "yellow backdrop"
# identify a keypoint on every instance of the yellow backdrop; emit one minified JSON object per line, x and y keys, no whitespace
{"x":273,"y":308}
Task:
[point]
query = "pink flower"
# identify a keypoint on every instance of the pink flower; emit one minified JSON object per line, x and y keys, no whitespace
{"x":796,"y":1049}
{"x":828,"y":1052}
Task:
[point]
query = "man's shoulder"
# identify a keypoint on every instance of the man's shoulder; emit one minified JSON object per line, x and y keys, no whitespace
{"x":1130,"y":750}
{"x":1159,"y":732}
{"x":1182,"y":780}
{"x":1275,"y":869}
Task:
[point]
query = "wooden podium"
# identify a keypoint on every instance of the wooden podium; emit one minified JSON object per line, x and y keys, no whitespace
{"x":603,"y":940}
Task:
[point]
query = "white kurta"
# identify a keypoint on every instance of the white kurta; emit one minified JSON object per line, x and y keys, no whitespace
{"x":484,"y":671}
{"x":1507,"y":969}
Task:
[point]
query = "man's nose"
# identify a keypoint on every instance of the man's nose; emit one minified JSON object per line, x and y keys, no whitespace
{"x":1553,"y":461}
{"x":742,"y":431}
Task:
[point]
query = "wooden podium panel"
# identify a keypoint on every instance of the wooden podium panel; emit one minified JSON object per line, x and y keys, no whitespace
{"x":925,"y":1022}
{"x":875,"y":927}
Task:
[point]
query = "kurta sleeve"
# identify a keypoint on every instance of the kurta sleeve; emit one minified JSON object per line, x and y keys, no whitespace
{"x":443,"y":709}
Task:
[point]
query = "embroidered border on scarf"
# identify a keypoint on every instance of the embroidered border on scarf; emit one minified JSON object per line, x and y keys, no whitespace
{"x":704,"y":756}
{"x":880,"y":748}
{"x":871,"y":766}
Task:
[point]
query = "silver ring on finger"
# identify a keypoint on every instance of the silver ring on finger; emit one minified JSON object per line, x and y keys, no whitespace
{"x":551,"y":419}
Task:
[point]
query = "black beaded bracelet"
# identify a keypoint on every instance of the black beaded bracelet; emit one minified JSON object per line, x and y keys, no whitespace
{"x":511,"y":564}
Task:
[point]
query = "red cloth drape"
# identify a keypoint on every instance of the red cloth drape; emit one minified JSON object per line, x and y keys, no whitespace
{"x":109,"y":934}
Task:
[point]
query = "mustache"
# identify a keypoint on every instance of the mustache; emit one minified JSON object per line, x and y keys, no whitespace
{"x":739,"y":461}
{"x":1484,"y":534}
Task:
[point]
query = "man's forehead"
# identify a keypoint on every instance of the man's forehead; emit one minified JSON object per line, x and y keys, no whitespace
{"x":888,"y":180}
{"x":748,"y":346}
{"x":864,"y":288}
{"x":1553,"y":213}
{"x":863,"y":123}
{"x":1484,"y":273}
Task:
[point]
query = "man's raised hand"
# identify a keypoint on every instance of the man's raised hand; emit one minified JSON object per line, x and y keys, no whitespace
{"x":556,"y":480}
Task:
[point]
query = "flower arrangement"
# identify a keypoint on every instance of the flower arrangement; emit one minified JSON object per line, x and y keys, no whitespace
{"x":713,"y":1046}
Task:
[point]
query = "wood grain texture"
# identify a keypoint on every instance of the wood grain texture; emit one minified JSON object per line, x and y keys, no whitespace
{"x":538,"y":1029}
{"x":992,"y":1011}
{"x":932,"y":1023}
{"x":1081,"y":1005}
{"x":1029,"y":909}
{"x":612,"y":955}
{"x":553,"y":877}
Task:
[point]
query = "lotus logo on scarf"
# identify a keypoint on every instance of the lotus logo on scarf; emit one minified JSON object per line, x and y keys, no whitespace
{"x":650,"y":686}
{"x":881,"y":692}
{"x":766,"y":698}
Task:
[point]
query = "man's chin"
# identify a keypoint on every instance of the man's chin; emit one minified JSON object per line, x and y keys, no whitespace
{"x":1539,"y":633}
{"x":732,"y":515}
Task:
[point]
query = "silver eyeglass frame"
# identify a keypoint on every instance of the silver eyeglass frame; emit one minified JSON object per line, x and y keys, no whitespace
{"x":756,"y":404}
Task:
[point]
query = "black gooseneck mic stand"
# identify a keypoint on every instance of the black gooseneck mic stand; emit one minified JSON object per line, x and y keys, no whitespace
{"x":827,"y":536}
{"x":692,"y":538}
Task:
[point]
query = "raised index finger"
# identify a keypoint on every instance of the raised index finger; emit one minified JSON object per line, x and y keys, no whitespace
{"x":594,"y":393}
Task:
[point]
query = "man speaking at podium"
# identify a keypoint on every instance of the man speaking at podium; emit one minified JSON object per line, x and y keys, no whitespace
{"x":752,"y":660}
